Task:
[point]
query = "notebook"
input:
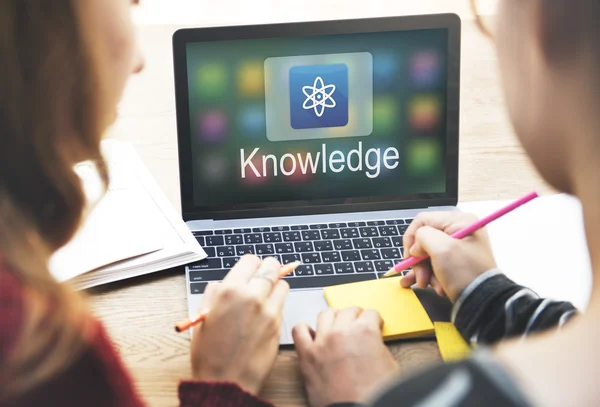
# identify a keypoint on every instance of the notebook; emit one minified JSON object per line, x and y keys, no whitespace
{"x":402,"y":313}
{"x":132,"y":230}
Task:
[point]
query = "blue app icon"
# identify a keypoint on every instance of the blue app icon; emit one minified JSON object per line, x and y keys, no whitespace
{"x":386,"y":68}
{"x":319,"y":96}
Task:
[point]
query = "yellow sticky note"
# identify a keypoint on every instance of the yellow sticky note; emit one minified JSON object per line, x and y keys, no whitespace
{"x":402,"y":312}
{"x":452,"y":345}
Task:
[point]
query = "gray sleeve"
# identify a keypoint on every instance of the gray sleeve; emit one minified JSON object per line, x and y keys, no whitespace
{"x":493,"y":307}
{"x":476,"y":382}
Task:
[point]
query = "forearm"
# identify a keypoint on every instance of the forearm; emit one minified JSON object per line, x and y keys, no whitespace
{"x":493,"y":307}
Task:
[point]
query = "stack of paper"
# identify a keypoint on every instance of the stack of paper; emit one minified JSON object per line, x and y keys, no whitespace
{"x":133,"y":230}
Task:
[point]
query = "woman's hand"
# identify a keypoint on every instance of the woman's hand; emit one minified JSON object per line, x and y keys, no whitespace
{"x":239,"y":339}
{"x":453,"y":263}
{"x":345,"y":359}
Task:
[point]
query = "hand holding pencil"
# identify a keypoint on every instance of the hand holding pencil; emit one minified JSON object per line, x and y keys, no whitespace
{"x":457,"y":246}
{"x":201,"y":316}
{"x":239,"y":340}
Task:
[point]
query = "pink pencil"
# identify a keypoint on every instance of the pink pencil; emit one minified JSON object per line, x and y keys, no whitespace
{"x":411,"y":261}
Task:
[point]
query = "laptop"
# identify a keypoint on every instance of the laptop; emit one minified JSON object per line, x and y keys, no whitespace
{"x":317,"y":142}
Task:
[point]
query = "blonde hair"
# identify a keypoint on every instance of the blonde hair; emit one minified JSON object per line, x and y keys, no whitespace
{"x":49,"y":121}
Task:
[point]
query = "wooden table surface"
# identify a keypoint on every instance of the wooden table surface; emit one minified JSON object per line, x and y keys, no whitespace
{"x":140,"y":313}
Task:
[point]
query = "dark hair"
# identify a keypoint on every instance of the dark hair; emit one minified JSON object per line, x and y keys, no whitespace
{"x":48,"y":114}
{"x":50,"y":119}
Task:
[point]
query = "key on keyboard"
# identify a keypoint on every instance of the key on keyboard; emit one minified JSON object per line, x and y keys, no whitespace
{"x":234,"y":239}
{"x":369,"y":232}
{"x":264,"y":249}
{"x":244,"y":249}
{"x":362,"y":243}
{"x":284,"y":248}
{"x":349,"y":233}
{"x":323,"y":245}
{"x":215,"y":240}
{"x":331,"y":257}
{"x":292,"y":236}
{"x":311,"y":235}
{"x":272,"y":237}
{"x":223,"y":251}
{"x":304,"y":270}
{"x":253,"y":238}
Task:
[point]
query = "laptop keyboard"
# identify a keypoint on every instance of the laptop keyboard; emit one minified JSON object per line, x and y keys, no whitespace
{"x":331,"y":254}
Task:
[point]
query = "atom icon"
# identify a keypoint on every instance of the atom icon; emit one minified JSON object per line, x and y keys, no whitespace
{"x":318,"y":96}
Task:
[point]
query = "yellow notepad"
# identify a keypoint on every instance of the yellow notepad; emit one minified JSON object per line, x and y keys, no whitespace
{"x":451,"y":343}
{"x":402,"y":312}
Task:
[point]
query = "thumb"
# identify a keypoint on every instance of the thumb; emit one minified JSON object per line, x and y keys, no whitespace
{"x":430,"y":241}
{"x":303,"y":338}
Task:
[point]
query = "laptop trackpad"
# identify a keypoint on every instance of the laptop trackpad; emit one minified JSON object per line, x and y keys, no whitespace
{"x":301,"y":306}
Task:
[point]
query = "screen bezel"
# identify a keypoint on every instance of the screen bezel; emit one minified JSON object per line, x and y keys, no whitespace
{"x":182,"y":37}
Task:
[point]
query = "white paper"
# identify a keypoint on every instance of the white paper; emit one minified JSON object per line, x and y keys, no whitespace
{"x":542,"y":245}
{"x":117,"y":228}
{"x":133,"y":230}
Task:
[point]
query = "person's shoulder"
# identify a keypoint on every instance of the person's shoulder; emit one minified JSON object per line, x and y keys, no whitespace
{"x":11,"y":308}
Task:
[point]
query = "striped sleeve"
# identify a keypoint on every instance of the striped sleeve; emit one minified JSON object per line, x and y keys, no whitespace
{"x":493,"y":308}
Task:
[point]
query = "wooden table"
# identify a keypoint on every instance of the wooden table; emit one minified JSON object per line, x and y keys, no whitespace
{"x":139,"y":313}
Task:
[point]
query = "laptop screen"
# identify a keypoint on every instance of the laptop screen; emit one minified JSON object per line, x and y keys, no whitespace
{"x":323,"y":117}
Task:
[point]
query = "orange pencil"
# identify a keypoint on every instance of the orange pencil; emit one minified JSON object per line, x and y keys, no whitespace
{"x":190,"y":322}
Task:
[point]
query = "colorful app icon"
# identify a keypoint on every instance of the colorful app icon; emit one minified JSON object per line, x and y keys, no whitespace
{"x":251,"y":80}
{"x":211,"y":81}
{"x":426,"y":68}
{"x":212,"y":125}
{"x":319,"y":96}
{"x":424,"y":156}
{"x":424,"y":113}
{"x":214,"y":168}
{"x":386,"y":67}
{"x":386,"y":114}
{"x":251,"y":120}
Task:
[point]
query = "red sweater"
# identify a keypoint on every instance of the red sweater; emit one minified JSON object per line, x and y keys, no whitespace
{"x":97,"y":378}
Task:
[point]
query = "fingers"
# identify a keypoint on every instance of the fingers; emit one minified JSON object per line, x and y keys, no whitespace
{"x":422,"y":275}
{"x":276,"y":300}
{"x":437,"y":286}
{"x":263,"y":281}
{"x":325,"y":320}
{"x":433,"y":219}
{"x":346,"y":316}
{"x":242,"y":271}
{"x":448,"y":222}
{"x":408,"y":280}
{"x":415,"y":250}
{"x":433,"y":241}
{"x":302,"y":338}
{"x":372,"y":318}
